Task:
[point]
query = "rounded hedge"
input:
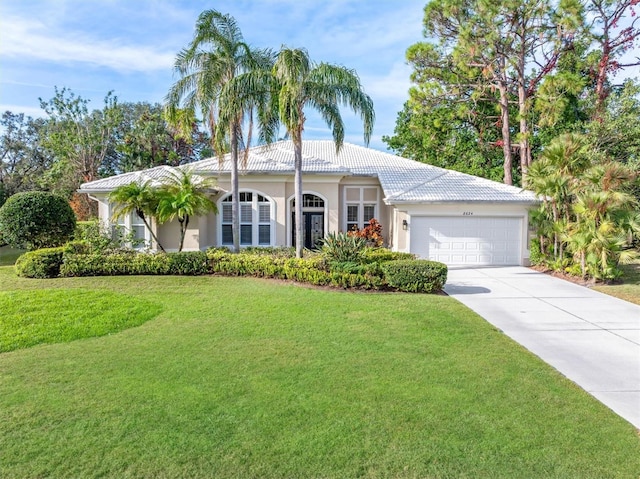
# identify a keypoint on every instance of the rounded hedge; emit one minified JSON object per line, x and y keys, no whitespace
{"x":36,"y":219}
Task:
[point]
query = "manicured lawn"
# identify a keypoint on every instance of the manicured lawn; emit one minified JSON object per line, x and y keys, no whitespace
{"x":629,"y":289}
{"x":8,"y":256}
{"x":238,"y":377}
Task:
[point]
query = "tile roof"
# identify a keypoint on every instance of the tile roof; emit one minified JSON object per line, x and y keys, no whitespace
{"x":155,"y":175}
{"x":402,"y":180}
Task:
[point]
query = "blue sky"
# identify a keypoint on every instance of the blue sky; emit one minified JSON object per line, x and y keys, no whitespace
{"x":129,"y":46}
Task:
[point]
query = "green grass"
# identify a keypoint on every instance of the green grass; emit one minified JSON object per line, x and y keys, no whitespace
{"x":8,"y":255}
{"x":55,"y":316}
{"x":240,"y":377}
{"x":629,"y":289}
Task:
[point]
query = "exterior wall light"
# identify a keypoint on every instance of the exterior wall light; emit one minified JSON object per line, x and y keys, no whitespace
{"x":405,"y":225}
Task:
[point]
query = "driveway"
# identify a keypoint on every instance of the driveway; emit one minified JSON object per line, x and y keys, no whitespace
{"x":591,"y":338}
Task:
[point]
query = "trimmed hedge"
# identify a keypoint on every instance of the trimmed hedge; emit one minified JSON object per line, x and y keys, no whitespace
{"x":77,"y":259}
{"x":41,"y":263}
{"x":129,"y":262}
{"x":415,"y":276}
{"x":312,"y":270}
{"x":379,"y":255}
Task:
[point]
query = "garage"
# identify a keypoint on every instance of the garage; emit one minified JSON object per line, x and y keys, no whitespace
{"x":467,"y":240}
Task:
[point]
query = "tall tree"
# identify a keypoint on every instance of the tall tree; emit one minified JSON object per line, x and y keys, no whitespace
{"x":216,"y":55}
{"x":79,"y":140}
{"x":492,"y":52}
{"x":615,"y":27}
{"x":300,"y":84}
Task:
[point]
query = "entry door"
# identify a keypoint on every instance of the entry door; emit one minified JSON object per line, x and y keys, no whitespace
{"x":313,"y":229}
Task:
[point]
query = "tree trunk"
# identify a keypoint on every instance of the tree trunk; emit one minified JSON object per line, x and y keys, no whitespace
{"x":506,"y":134}
{"x":143,"y":217}
{"x":184,"y":223}
{"x":235,"y":193}
{"x":525,"y":146}
{"x":297,"y":148}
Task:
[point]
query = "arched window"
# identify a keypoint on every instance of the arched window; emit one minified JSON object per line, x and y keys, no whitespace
{"x":256,"y":220}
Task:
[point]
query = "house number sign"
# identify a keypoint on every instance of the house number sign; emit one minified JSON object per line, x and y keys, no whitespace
{"x":467,"y":213}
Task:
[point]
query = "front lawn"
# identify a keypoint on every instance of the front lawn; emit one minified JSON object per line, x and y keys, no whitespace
{"x":629,"y":288}
{"x":242,"y":377}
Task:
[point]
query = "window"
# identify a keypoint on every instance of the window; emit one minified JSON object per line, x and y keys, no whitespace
{"x":361,"y":206}
{"x":255,"y":220}
{"x":132,"y":223}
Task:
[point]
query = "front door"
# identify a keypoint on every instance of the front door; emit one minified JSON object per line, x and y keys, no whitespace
{"x":313,"y":229}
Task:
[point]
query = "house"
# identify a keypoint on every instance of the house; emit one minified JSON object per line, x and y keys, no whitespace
{"x":438,"y":214}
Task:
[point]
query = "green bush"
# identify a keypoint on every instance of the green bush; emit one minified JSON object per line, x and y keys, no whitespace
{"x":535,"y":255}
{"x":342,"y":248}
{"x":379,"y":255}
{"x":415,"y":276}
{"x":36,"y":219}
{"x":41,"y":263}
{"x":278,"y":251}
{"x":191,"y":263}
{"x":312,"y":270}
{"x":130,"y":262}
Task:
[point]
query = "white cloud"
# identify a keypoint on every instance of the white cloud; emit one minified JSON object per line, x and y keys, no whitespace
{"x":393,"y":86}
{"x":32,"y":40}
{"x":27,"y":110}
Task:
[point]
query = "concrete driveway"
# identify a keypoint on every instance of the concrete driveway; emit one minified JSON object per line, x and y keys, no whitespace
{"x":591,"y":338}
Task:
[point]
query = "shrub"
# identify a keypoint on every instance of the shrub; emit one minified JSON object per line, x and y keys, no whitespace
{"x":380,"y":255}
{"x":129,"y":262}
{"x":415,"y":276}
{"x":278,"y":251}
{"x":192,"y":263}
{"x":342,"y":247}
{"x":372,"y":233}
{"x":535,"y":255}
{"x":36,"y":219}
{"x":42,"y":263}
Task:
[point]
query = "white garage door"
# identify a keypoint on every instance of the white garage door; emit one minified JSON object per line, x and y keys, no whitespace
{"x":467,"y":240}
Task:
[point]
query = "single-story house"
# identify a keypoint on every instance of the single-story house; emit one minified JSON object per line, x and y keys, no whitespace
{"x":437,"y":214}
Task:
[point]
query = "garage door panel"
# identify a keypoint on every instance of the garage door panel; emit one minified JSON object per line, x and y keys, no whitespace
{"x":467,"y":241}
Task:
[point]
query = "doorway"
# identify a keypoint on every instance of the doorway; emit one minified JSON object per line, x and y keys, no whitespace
{"x":313,"y":218}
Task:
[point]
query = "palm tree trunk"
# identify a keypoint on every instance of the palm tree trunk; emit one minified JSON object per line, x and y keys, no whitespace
{"x":184,"y":223}
{"x":153,"y":235}
{"x":297,"y":148}
{"x":235,"y":193}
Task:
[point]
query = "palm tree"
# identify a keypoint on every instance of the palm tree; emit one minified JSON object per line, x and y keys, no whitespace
{"x":299,"y":84}
{"x":214,"y":57}
{"x":182,"y":196}
{"x":141,"y":198}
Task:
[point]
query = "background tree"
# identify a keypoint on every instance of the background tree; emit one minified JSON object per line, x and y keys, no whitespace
{"x":79,"y":141}
{"x":182,"y":196}
{"x":147,"y":139}
{"x":22,"y":158}
{"x":325,"y":87}
{"x":614,"y":28}
{"x":216,"y":55}
{"x":491,"y":52}
{"x":36,"y":219}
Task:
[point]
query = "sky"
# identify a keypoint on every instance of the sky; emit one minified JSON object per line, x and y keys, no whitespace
{"x":129,"y":46}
